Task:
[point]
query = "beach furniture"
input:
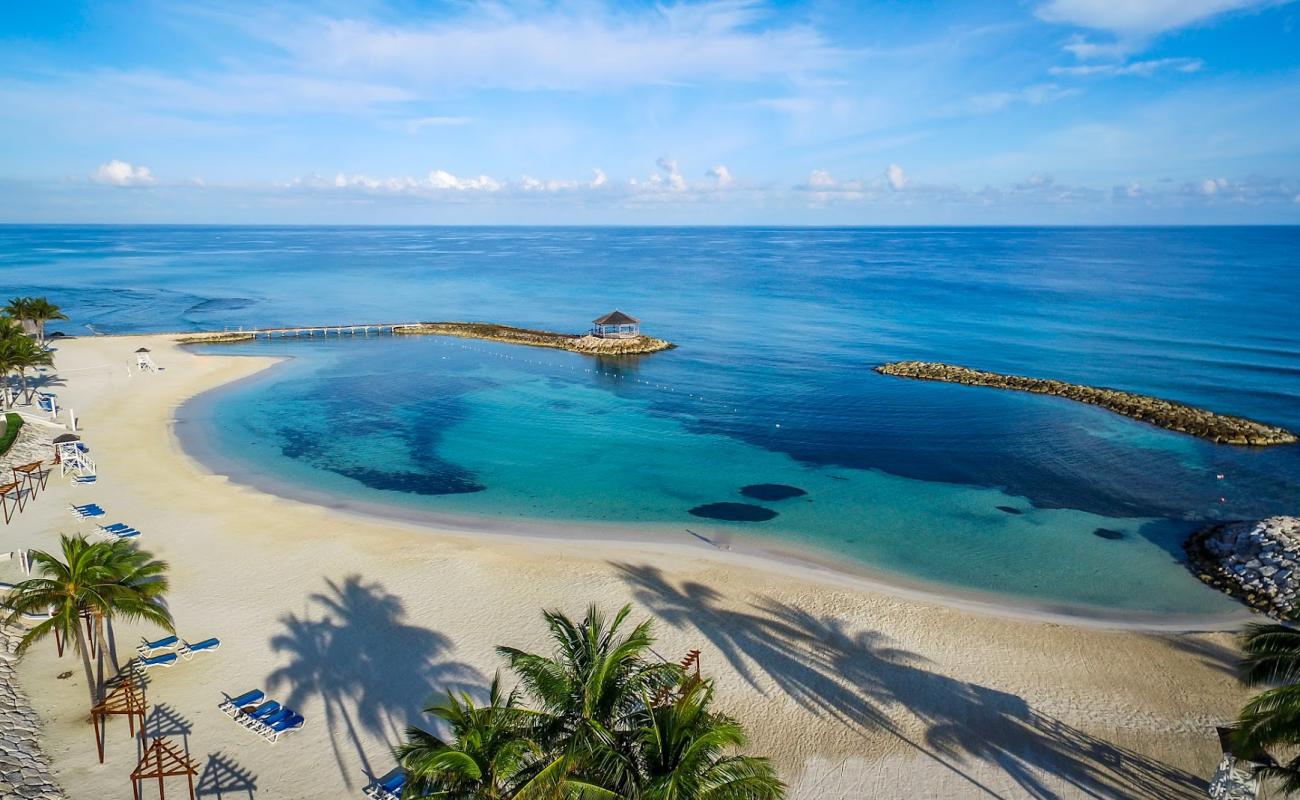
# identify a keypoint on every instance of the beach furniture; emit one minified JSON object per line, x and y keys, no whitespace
{"x":284,"y":727}
{"x":164,"y":660}
{"x":124,"y":532}
{"x":232,"y":705}
{"x":86,"y":511}
{"x":147,"y":648}
{"x":263,"y":726}
{"x":188,"y":650}
{"x":389,"y":789}
{"x":258,"y":714}
{"x":82,"y":480}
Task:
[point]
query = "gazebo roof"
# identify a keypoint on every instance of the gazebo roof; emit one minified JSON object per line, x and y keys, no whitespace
{"x":142,"y":350}
{"x":66,"y":437}
{"x":616,"y":318}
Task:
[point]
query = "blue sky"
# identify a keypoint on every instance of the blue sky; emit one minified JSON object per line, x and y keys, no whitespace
{"x":733,"y":112}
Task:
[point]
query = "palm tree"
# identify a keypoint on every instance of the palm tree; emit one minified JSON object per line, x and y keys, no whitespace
{"x":99,"y":580}
{"x":590,"y":691}
{"x":20,"y":308}
{"x":40,"y":311}
{"x":25,"y":354}
{"x":486,"y":757}
{"x":1272,"y":718}
{"x":136,"y":594}
{"x":684,"y":753}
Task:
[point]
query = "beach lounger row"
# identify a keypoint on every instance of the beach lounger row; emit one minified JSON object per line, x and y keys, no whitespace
{"x":266,"y":718}
{"x":118,"y":530}
{"x":183,"y":650}
{"x":87,"y":511}
{"x":390,"y":789}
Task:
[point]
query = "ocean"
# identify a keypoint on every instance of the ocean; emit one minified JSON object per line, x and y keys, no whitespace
{"x":1027,"y":499}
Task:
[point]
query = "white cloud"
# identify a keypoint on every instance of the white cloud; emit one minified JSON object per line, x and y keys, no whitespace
{"x":897,"y":179}
{"x":820,"y":178}
{"x":598,"y":179}
{"x":1139,"y":18}
{"x":121,"y":173}
{"x":1213,"y":185}
{"x":569,"y":47}
{"x":670,"y":174}
{"x":420,"y":123}
{"x":1143,"y":69}
{"x":1035,"y":95}
{"x":721,"y":175}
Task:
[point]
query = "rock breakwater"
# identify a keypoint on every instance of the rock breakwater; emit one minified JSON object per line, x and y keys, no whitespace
{"x":1214,"y":427}
{"x":24,"y":769}
{"x":1256,"y":562}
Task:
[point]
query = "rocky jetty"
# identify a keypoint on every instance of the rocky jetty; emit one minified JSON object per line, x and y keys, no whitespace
{"x":24,"y":769}
{"x":592,"y":345}
{"x":1256,"y":562}
{"x":1218,"y":428}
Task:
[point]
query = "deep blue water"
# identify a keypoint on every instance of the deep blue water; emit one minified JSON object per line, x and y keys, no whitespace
{"x":777,"y":330}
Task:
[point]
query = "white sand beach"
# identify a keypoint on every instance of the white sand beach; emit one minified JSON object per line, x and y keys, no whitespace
{"x":854,"y":691}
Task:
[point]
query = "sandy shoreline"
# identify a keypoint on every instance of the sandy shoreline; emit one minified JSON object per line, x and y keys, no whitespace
{"x":854,"y":688}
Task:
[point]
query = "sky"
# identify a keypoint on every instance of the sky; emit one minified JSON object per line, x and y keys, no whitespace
{"x":732,"y":112}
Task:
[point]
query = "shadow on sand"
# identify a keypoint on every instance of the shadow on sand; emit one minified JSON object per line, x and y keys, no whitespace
{"x":222,"y":777}
{"x":373,"y":671}
{"x":857,"y":677}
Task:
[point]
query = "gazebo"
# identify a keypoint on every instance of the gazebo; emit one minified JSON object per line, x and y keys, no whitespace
{"x":616,"y":325}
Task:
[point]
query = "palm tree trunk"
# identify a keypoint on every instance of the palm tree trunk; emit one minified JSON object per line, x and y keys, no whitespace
{"x":22,"y":376}
{"x":99,"y":653}
{"x":84,"y":647}
{"x":112,"y":648}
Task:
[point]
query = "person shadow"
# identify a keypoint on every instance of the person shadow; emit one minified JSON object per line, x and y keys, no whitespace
{"x":373,"y":670}
{"x":861,"y":679}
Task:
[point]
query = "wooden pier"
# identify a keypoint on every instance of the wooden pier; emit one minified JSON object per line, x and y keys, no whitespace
{"x":365,"y":329}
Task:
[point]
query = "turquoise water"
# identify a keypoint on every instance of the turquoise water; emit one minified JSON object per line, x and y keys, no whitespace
{"x":1018,"y":495}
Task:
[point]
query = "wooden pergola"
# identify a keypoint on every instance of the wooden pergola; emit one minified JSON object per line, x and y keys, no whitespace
{"x":32,"y":476}
{"x":162,"y":759}
{"x":126,"y":699}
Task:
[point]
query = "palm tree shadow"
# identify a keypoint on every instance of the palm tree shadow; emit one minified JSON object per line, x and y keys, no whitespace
{"x":373,"y":671}
{"x":859,"y":678}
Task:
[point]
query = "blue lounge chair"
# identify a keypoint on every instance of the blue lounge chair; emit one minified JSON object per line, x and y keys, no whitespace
{"x":88,"y":510}
{"x":125,"y":533}
{"x":82,"y":480}
{"x":188,"y":650}
{"x":164,"y":660}
{"x":115,"y":527}
{"x":263,"y":725}
{"x":233,"y":704}
{"x":261,"y":712}
{"x":285,"y":727}
{"x":145,"y":648}
{"x":390,"y":789}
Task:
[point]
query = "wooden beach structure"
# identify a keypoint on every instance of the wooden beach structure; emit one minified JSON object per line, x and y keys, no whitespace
{"x":360,"y":329}
{"x":616,"y":325}
{"x":126,"y":700}
{"x":144,"y":361}
{"x":8,"y":492}
{"x":163,"y":759}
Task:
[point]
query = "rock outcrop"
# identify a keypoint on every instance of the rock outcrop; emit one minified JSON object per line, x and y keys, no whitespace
{"x":24,"y":769}
{"x":592,"y":345}
{"x":1218,"y":428}
{"x":1256,"y":562}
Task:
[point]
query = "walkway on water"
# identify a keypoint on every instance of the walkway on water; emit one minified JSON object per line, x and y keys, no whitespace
{"x":360,"y":329}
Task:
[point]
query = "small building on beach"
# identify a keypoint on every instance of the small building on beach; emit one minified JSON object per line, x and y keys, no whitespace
{"x":616,"y":325}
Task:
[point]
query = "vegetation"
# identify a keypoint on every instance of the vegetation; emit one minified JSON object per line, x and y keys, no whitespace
{"x":13,"y":424}
{"x":91,"y":584}
{"x":36,"y":310}
{"x":19,"y":353}
{"x":608,"y":721}
{"x":1272,"y":718}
